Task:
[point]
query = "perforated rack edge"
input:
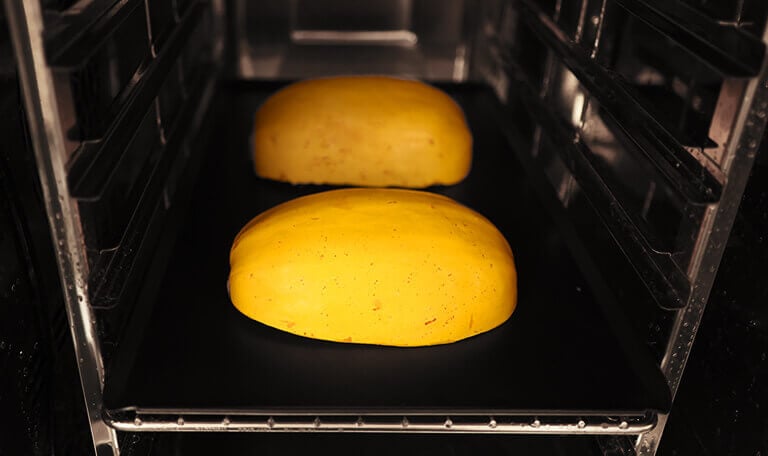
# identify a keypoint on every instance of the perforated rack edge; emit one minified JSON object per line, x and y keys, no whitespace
{"x":144,"y":420}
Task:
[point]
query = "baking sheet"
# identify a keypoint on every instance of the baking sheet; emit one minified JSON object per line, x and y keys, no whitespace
{"x":557,"y":353}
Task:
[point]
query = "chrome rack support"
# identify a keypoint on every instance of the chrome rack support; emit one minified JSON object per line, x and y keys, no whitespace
{"x":747,"y":100}
{"x":25,"y":20}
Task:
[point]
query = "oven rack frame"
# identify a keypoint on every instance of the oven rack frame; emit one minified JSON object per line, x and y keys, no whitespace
{"x":747,"y":126}
{"x":182,"y":420}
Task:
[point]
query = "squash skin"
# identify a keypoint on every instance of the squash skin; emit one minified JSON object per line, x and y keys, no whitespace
{"x":368,"y":131}
{"x":374,"y":266}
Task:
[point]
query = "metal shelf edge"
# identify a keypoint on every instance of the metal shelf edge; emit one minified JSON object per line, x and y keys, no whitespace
{"x":131,"y":113}
{"x":670,"y":158}
{"x":75,"y":41}
{"x":239,"y":421}
{"x":676,"y":288}
{"x":725,"y":48}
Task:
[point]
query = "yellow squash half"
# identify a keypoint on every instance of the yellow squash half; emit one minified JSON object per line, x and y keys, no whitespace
{"x":362,"y":130}
{"x":374,"y":266}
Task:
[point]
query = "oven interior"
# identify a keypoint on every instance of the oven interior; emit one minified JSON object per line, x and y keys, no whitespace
{"x":612,"y":143}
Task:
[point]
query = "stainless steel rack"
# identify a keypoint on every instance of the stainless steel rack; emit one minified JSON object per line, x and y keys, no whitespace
{"x":302,"y":383}
{"x":118,"y":96}
{"x":722,"y":44}
{"x":227,"y":421}
{"x":574,"y":84}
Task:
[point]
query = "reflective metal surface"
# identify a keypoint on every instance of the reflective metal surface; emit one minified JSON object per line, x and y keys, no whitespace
{"x":643,"y":114}
{"x":425,"y":39}
{"x":26,"y":23}
{"x":683,"y":236}
{"x":146,"y":421}
{"x":746,"y":128}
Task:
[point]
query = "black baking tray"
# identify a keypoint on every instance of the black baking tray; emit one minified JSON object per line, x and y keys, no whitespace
{"x":558,"y":353}
{"x":370,"y":444}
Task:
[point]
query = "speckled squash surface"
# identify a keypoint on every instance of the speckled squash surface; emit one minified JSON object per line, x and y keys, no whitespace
{"x":367,"y":131}
{"x":374,"y":266}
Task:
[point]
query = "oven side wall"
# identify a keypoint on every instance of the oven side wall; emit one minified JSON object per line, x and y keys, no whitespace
{"x":722,"y":404}
{"x":41,"y":405}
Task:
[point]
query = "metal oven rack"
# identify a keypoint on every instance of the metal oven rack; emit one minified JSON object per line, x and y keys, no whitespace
{"x":111,"y":90}
{"x":518,"y":379}
{"x":608,"y":167}
{"x":596,"y":78}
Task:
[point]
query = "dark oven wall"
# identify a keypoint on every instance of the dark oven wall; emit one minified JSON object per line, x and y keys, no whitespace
{"x":114,"y":97}
{"x":620,"y":121}
{"x":41,"y":404}
{"x":722,"y":405}
{"x":629,"y":109}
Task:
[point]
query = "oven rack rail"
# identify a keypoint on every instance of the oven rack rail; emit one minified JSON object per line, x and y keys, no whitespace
{"x":722,"y":45}
{"x":71,"y":31}
{"x":668,"y":284}
{"x":148,"y":420}
{"x":65,"y":31}
{"x":695,"y":182}
{"x":87,"y":173}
